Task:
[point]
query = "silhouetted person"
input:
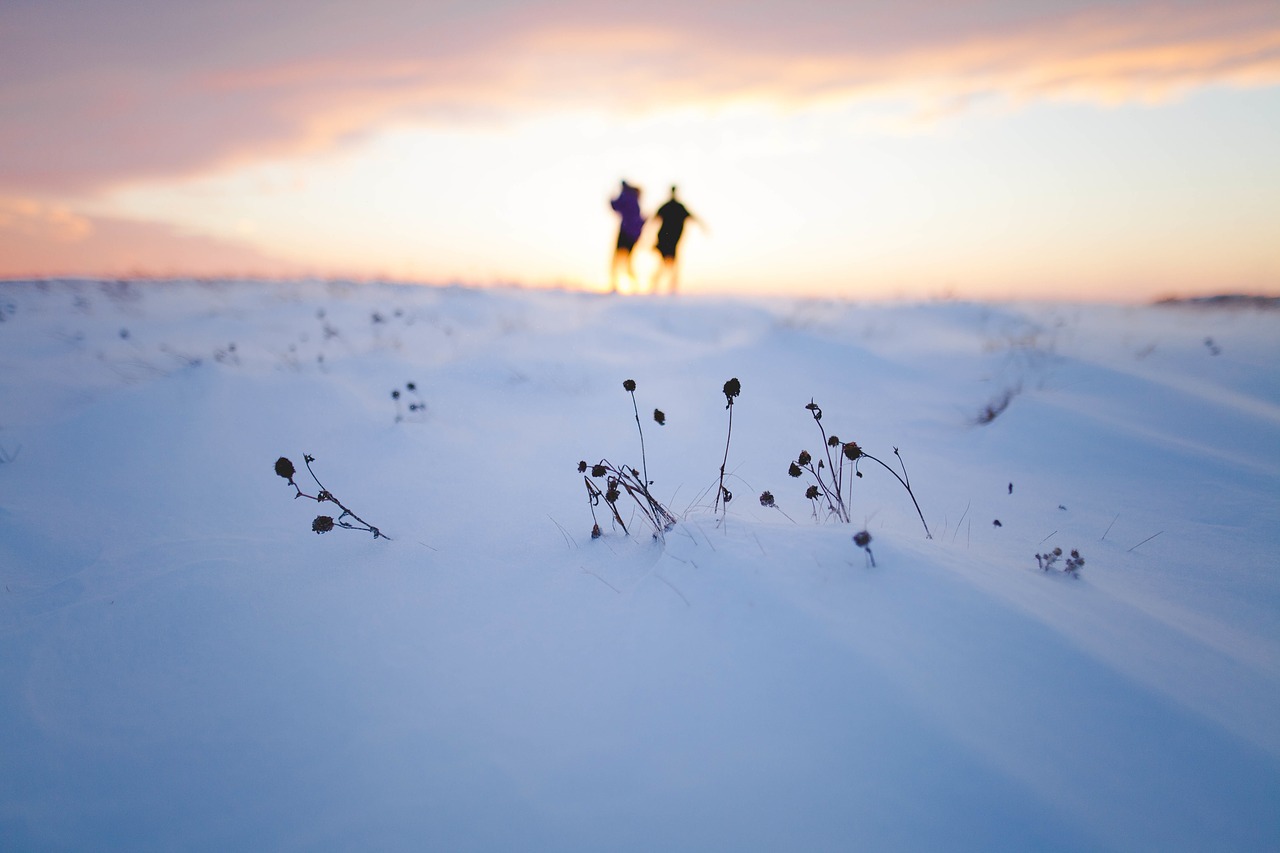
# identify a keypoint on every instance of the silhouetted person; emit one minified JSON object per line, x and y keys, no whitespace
{"x":673,"y":215}
{"x":627,"y":205}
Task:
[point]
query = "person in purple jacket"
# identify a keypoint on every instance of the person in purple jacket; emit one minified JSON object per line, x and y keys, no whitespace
{"x":627,"y":206}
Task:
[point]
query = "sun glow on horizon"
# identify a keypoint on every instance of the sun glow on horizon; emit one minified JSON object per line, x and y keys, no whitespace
{"x":816,"y":201}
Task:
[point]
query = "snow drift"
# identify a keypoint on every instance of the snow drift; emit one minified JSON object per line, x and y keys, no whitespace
{"x":185,"y":665}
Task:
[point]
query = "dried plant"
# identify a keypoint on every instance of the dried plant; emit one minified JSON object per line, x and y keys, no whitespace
{"x":620,"y":480}
{"x":863,"y":540}
{"x":417,"y":406}
{"x":1070,"y":566}
{"x":996,"y":406}
{"x":629,"y":385}
{"x":767,"y":501}
{"x":324,"y":523}
{"x":831,"y":477}
{"x":731,"y":389}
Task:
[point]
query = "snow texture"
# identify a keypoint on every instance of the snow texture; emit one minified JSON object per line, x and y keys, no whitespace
{"x":184,"y":665}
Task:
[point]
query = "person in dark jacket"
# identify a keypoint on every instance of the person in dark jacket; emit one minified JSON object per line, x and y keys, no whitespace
{"x":673,"y":215}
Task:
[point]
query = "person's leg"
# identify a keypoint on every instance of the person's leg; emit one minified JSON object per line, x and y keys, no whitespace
{"x":631,"y":272}
{"x":620,"y":259}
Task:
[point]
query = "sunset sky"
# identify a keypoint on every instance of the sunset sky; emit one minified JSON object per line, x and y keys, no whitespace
{"x":994,"y":148}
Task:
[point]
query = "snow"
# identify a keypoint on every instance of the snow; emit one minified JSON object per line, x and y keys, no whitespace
{"x":185,"y":665}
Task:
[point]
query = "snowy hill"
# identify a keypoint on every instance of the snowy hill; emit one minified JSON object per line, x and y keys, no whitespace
{"x":185,"y":665}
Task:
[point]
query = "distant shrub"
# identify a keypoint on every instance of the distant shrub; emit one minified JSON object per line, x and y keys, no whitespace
{"x":996,"y":407}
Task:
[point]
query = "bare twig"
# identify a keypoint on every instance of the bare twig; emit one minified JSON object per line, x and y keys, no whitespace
{"x":962,"y":517}
{"x":1144,"y":541}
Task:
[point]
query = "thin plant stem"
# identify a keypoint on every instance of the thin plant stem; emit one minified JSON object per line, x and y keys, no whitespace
{"x":644,"y":464}
{"x":962,"y":517}
{"x":595,"y":496}
{"x":654,"y":506}
{"x":724,"y":462}
{"x":842,"y":510}
{"x":326,"y":495}
{"x":1144,"y":541}
{"x":906,"y":486}
{"x":834,"y":507}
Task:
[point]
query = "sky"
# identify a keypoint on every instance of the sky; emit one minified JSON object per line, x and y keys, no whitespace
{"x":1103,"y":150}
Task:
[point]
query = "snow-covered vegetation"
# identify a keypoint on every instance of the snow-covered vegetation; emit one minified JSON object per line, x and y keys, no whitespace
{"x":185,"y":665}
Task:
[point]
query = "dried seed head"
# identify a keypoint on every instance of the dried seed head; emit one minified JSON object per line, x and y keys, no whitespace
{"x":582,"y":467}
{"x":766,"y":499}
{"x":322,"y":524}
{"x":660,"y":416}
{"x":612,"y":495}
{"x":862,"y":539}
{"x":284,"y":468}
{"x":598,"y":470}
{"x":595,"y":531}
{"x":833,"y":441}
{"x":804,"y":458}
{"x":629,"y":385}
{"x":852,"y":451}
{"x":1057,"y":552}
{"x":324,"y":496}
{"x":811,"y":493}
{"x":794,"y":470}
{"x":815,"y":409}
{"x":732,"y":388}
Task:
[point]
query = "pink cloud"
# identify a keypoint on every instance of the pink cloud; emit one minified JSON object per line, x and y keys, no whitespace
{"x":39,"y":239}
{"x":114,"y":96}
